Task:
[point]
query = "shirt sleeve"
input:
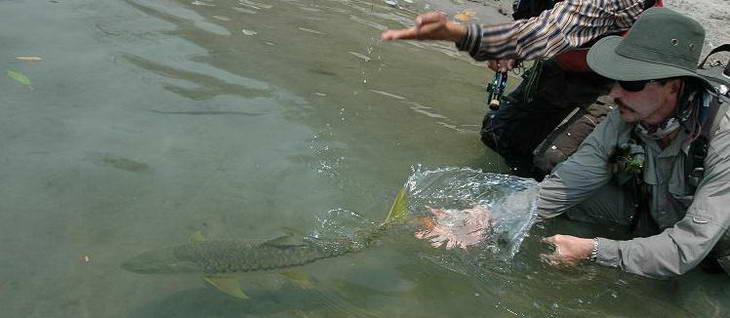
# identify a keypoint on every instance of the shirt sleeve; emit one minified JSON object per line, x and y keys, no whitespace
{"x":579,"y":176}
{"x":570,"y":24}
{"x":681,"y":247}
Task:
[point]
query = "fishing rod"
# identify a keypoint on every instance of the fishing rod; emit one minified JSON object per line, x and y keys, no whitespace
{"x":495,"y":90}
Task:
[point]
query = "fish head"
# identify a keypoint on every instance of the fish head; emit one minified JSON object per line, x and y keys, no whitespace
{"x":162,"y":261}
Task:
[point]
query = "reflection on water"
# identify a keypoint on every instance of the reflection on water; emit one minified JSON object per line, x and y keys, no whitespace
{"x":150,"y":120}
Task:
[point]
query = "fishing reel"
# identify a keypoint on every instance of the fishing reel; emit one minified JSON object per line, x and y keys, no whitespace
{"x":495,"y":90}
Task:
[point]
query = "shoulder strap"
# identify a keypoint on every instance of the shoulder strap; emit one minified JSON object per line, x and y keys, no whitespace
{"x":721,"y":48}
{"x":712,"y":111}
{"x":721,"y":110}
{"x":717,"y":74}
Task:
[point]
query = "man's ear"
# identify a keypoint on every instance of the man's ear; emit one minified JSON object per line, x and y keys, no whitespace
{"x":675,"y":85}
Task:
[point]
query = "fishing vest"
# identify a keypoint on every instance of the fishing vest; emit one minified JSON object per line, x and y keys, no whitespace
{"x":628,"y":162}
{"x":715,"y":110}
{"x":712,"y":110}
{"x":575,"y":59}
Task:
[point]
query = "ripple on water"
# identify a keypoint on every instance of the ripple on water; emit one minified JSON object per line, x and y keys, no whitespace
{"x":257,"y":5}
{"x":384,"y":93}
{"x":242,"y":10}
{"x":202,"y":3}
{"x":311,"y":31}
{"x":309,"y":9}
{"x":222,"y":18}
{"x":360,"y":56}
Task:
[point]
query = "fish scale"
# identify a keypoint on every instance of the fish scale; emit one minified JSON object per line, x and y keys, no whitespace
{"x":215,"y":257}
{"x":222,"y":257}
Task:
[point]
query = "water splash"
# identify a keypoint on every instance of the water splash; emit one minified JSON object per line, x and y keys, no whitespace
{"x":511,"y":202}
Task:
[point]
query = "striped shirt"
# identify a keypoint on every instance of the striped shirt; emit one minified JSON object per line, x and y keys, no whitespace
{"x":569,"y":25}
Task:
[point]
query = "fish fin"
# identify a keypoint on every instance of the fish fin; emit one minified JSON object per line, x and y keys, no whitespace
{"x":197,"y":237}
{"x":227,"y":285}
{"x":285,"y":240}
{"x":19,"y":77}
{"x":293,"y":232}
{"x":299,"y":278}
{"x":399,"y":210}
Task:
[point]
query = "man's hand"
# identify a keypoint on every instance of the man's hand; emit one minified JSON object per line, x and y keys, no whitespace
{"x":501,"y":65}
{"x":569,"y":250}
{"x":455,"y":228}
{"x":429,"y":26}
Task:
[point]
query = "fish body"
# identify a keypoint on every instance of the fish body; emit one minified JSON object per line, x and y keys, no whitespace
{"x":230,"y":257}
{"x":218,"y":261}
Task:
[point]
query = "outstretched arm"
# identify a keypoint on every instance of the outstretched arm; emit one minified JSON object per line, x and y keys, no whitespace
{"x":681,"y":247}
{"x":429,"y":26}
{"x":570,"y":24}
{"x":677,"y":249}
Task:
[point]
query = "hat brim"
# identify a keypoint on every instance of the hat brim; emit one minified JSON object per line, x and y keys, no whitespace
{"x":602,"y":59}
{"x":715,"y":77}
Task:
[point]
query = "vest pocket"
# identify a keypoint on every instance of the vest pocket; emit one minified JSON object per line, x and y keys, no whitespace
{"x":680,"y":192}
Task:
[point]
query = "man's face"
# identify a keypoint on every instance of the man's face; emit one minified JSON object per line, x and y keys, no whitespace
{"x":651,"y":105}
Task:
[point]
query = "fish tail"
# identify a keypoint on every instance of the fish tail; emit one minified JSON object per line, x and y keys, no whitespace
{"x":397,"y":214}
{"x":399,"y":209}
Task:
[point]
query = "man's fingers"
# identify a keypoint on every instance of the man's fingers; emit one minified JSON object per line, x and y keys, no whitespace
{"x":550,"y":259}
{"x":507,"y":65}
{"x":428,"y":27}
{"x":549,"y":240}
{"x":493,"y":65}
{"x":510,"y":64}
{"x":430,"y":17}
{"x":404,"y":34}
{"x":556,"y":260}
{"x":436,"y":212}
{"x":428,"y":32}
{"x":422,"y":33}
{"x":501,"y":65}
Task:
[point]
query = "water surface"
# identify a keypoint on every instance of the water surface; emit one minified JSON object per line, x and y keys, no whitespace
{"x":146,"y":121}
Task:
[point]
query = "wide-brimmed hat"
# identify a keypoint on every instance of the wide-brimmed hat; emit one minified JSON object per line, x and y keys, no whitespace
{"x":661,"y":44}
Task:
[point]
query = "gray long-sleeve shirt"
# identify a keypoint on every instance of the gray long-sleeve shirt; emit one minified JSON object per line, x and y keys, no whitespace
{"x":692,"y":225}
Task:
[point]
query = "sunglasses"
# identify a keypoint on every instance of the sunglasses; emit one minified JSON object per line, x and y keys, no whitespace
{"x":634,"y":86}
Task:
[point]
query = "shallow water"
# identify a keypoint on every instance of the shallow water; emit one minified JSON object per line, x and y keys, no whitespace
{"x":149,"y":120}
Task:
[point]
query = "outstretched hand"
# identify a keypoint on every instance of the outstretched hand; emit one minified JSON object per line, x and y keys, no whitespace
{"x":569,"y":250}
{"x":455,"y":228}
{"x":429,"y":26}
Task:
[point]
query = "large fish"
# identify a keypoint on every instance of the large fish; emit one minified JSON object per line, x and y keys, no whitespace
{"x":218,"y":260}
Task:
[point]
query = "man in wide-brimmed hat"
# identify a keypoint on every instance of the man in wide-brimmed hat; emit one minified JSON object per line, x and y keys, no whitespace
{"x":659,"y":164}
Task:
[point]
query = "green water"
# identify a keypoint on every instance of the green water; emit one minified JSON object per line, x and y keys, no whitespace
{"x":149,"y":120}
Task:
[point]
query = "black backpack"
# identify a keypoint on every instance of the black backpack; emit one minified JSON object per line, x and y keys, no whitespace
{"x":525,"y":9}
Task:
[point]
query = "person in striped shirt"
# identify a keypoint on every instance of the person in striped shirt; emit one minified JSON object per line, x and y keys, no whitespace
{"x":563,"y":81}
